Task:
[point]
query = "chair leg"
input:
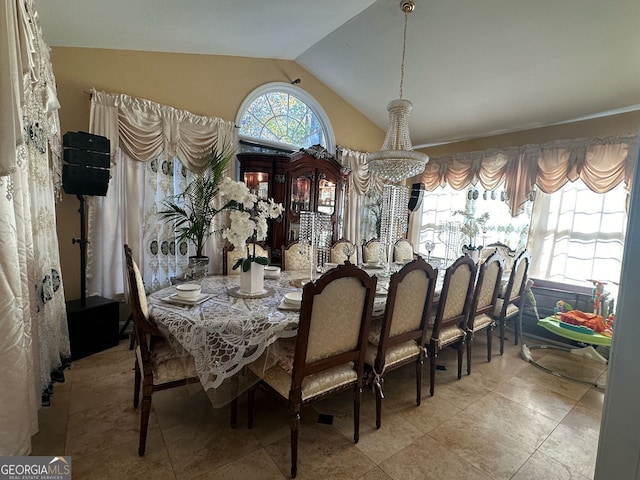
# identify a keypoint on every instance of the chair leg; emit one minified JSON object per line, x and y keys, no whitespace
{"x":357,"y":395}
{"x":502,"y":323}
{"x":294,"y":424}
{"x":432,"y":369}
{"x":460,"y":354}
{"x":234,"y":412}
{"x":419,"y":365}
{"x":489,"y":341}
{"x":144,"y":423}
{"x":250,"y":397}
{"x":470,"y":339}
{"x":137,"y":378}
{"x":378,"y":408}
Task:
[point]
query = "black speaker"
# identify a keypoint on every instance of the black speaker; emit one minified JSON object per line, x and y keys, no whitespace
{"x":87,"y":169}
{"x":415,"y":200}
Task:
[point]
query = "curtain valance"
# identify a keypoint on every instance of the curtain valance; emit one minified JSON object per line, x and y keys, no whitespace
{"x":145,"y":130}
{"x":602,"y":163}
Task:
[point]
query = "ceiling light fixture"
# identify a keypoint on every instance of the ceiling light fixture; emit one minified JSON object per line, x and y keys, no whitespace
{"x":397,"y":160}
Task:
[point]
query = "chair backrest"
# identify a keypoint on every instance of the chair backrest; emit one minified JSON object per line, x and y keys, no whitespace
{"x":488,"y":286}
{"x":295,"y":257}
{"x":371,"y":251}
{"x":334,"y":322}
{"x":455,"y":298}
{"x":338,"y":255}
{"x":508,"y":255}
{"x":142,"y":324}
{"x":408,"y":307}
{"x":517,"y":280}
{"x":230,"y":255}
{"x":402,"y":251}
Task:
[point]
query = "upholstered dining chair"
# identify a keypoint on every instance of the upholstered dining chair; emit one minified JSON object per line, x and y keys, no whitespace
{"x":402,"y":251}
{"x":329,"y":348}
{"x":295,"y":257}
{"x":450,"y":324}
{"x":399,"y":336}
{"x":230,"y":256}
{"x":485,"y":296}
{"x":371,"y":251}
{"x":157,"y":365}
{"x":338,"y":252}
{"x":509,"y":305}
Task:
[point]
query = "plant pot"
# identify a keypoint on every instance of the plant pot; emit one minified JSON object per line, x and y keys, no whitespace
{"x":198,"y":267}
{"x":252,"y":281}
{"x":473,"y":253}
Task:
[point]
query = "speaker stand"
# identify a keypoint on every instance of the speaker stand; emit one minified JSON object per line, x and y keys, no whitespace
{"x":82,"y":242}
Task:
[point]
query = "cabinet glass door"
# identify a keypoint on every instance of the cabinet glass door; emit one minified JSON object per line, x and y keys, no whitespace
{"x":300,"y":194}
{"x":326,"y":196}
{"x":257,"y":183}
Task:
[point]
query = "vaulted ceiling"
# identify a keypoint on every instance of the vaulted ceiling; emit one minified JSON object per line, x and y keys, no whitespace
{"x":473,"y":67}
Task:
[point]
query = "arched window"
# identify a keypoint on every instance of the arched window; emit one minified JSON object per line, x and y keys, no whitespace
{"x":282,"y":115}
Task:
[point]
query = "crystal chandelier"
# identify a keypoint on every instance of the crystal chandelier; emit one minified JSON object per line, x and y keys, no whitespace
{"x":397,"y":160}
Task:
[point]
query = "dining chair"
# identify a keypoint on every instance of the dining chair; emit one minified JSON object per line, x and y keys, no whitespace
{"x":338,"y":253}
{"x":158,"y":366}
{"x":485,"y":296}
{"x":230,"y":255}
{"x":402,"y":251}
{"x":371,"y":251}
{"x":449,"y":326}
{"x":329,"y":348}
{"x":398,"y":337}
{"x":509,"y":305}
{"x":295,"y":257}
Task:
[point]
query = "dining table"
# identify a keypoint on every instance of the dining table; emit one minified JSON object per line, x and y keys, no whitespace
{"x":225,"y":330}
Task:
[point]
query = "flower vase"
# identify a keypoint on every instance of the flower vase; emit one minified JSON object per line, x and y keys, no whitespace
{"x":252,"y":281}
{"x":197,"y":268}
{"x":472,"y":252}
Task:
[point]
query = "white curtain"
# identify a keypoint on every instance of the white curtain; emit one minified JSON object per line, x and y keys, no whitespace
{"x":34,"y":339}
{"x":150,"y":143}
{"x":361,"y":181}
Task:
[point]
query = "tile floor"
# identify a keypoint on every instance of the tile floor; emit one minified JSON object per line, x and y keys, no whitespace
{"x":507,"y":420}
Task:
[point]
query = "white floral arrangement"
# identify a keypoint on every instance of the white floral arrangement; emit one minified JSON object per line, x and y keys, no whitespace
{"x":472,"y":226}
{"x":248,"y":219}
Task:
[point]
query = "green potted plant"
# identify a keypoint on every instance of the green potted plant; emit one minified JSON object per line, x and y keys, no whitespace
{"x":191,"y":212}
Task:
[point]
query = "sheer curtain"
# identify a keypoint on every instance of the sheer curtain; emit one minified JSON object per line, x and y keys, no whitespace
{"x":34,"y":339}
{"x":578,"y":218}
{"x":152,"y":147}
{"x":360,"y":183}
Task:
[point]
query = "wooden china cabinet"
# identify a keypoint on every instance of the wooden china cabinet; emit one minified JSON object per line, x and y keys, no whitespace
{"x":307,"y":180}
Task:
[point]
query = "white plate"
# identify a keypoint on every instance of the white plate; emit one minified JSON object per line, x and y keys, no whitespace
{"x":183,"y":301}
{"x":285,"y":306}
{"x":293,"y":298}
{"x":376,"y":266}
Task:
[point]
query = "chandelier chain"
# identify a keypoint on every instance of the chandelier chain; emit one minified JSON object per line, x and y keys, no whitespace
{"x":404,"y":49}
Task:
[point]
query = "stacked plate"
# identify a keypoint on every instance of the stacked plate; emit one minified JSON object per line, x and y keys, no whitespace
{"x":293,"y":298}
{"x":271,"y":271}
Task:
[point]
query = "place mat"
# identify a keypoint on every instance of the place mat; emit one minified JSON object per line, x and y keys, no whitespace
{"x":174,"y":299}
{"x":286,"y":306}
{"x":235,"y":292}
{"x":299,"y":282}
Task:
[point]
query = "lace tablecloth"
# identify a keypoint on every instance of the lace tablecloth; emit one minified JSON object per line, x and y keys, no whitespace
{"x":225,"y":333}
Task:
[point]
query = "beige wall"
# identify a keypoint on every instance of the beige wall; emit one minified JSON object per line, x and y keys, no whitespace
{"x":192,"y":82}
{"x":188,"y":82}
{"x":621,"y":124}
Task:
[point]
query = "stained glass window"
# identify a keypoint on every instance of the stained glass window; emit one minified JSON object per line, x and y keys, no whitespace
{"x":283,"y":115}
